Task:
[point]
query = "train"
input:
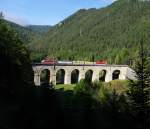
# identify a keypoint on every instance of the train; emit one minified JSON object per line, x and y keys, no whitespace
{"x":65,"y":62}
{"x":50,"y":61}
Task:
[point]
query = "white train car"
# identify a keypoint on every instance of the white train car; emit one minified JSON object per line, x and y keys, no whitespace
{"x":64,"y":62}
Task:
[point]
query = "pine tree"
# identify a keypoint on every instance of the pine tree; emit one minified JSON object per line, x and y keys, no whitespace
{"x":1,"y":15}
{"x":139,"y":91}
{"x":15,"y":60}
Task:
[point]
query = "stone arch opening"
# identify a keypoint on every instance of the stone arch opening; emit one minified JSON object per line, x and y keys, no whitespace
{"x":102,"y":75}
{"x":115,"y":74}
{"x":45,"y":77}
{"x":88,"y":75}
{"x":74,"y":76}
{"x":60,"y":76}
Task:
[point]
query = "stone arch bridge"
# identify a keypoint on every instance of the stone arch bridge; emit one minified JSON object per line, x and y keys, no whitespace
{"x":96,"y":72}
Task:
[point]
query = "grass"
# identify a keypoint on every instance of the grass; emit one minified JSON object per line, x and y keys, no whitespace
{"x":65,"y":87}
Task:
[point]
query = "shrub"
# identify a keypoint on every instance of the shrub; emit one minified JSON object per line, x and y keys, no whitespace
{"x":83,"y":87}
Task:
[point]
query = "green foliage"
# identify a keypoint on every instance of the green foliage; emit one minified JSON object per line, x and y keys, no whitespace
{"x":139,"y":90}
{"x":39,"y":29}
{"x":16,"y":69}
{"x":83,"y":87}
{"x":101,"y":94}
{"x":101,"y":97}
{"x":96,"y":90}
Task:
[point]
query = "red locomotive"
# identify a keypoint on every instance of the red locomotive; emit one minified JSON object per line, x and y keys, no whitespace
{"x":48,"y":61}
{"x":101,"y":62}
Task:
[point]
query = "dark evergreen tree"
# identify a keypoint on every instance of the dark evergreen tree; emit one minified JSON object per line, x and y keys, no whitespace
{"x":139,"y":91}
{"x":1,"y":15}
{"x":15,"y":64}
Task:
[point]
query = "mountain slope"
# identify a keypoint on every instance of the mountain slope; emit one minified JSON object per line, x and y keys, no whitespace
{"x":24,"y":33}
{"x":40,"y":29}
{"x":112,"y":33}
{"x":28,"y":33}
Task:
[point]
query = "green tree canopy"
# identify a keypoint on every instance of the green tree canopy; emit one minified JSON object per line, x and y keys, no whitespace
{"x":15,"y":65}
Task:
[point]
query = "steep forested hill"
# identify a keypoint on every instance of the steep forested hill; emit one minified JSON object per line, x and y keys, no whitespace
{"x":30,"y":32}
{"x":112,"y":33}
{"x":24,"y":33}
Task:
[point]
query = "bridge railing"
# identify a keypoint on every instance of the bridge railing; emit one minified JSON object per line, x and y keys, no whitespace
{"x":107,"y":65}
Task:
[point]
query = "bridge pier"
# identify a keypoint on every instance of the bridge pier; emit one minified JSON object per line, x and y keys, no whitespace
{"x":37,"y":79}
{"x":108,"y":77}
{"x":67,"y":78}
{"x":81,"y":75}
{"x":95,"y":76}
{"x":53,"y":78}
{"x":122,"y":76}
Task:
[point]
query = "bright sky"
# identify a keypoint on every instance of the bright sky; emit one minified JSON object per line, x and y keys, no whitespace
{"x":45,"y":12}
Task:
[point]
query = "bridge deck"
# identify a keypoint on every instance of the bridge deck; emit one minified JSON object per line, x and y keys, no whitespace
{"x":107,"y":65}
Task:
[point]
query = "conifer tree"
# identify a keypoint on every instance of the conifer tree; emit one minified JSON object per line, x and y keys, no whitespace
{"x":1,"y":15}
{"x":139,"y":91}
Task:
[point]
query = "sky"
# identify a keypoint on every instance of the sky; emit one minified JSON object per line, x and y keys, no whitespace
{"x":45,"y":12}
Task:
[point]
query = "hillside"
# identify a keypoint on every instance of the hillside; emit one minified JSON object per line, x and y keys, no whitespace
{"x":24,"y":33}
{"x":39,"y":29}
{"x":30,"y":32}
{"x":112,"y":33}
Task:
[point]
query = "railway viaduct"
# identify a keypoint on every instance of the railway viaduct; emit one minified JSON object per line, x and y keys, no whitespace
{"x":95,"y":72}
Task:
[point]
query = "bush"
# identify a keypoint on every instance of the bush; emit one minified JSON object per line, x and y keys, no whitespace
{"x":83,"y":87}
{"x":102,"y":94}
{"x":105,"y":95}
{"x":96,"y":90}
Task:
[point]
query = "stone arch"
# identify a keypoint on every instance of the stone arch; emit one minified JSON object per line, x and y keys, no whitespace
{"x":102,"y":75}
{"x":45,"y":77}
{"x":60,"y":76}
{"x":89,"y":75}
{"x":74,"y":76}
{"x":115,"y":74}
